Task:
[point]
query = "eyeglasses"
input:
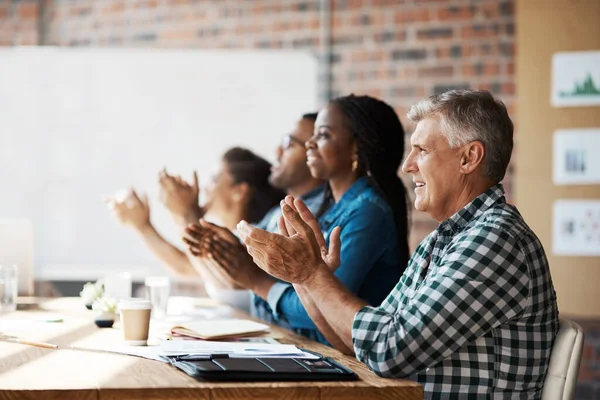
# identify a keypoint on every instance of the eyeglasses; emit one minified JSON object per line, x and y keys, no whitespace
{"x":287,"y":141}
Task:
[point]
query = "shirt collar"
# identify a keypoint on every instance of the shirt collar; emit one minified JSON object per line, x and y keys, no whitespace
{"x":474,"y":209}
{"x":357,"y":187}
{"x":313,"y":193}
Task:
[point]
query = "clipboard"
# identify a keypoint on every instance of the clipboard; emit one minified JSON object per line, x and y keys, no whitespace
{"x":220,"y":367}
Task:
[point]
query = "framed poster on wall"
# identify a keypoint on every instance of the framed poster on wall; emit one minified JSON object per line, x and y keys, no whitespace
{"x":576,"y":79}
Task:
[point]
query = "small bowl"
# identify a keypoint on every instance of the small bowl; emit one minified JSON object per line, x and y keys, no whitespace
{"x":104,"y":320}
{"x":104,"y":323}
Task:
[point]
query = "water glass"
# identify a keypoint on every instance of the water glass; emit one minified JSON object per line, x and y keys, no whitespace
{"x":158,"y":289}
{"x":8,"y":288}
{"x":117,"y":285}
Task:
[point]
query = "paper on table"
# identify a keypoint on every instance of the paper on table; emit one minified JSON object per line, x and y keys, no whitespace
{"x":233,"y":350}
{"x":149,"y":352}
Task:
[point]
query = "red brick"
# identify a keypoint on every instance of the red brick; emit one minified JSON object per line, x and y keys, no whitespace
{"x":510,"y":68}
{"x":339,"y":5}
{"x":114,"y":8}
{"x":490,"y":10}
{"x":390,"y":36}
{"x":508,"y":88}
{"x":481,"y":69}
{"x":146,"y":4}
{"x":480,"y":30}
{"x":436,"y":72}
{"x":178,"y":34}
{"x":456,"y":13}
{"x":314,"y":23}
{"x":80,"y":10}
{"x":412,"y":15}
{"x":387,"y":3}
{"x":27,"y":11}
{"x":435,"y":33}
{"x":364,"y":55}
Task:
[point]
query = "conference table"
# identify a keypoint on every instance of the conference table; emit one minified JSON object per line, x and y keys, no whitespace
{"x":28,"y":372}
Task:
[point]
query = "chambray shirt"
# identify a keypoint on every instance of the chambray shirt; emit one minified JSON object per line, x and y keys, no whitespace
{"x":371,"y":263}
{"x":312,"y":199}
{"x":260,"y":308}
{"x":475,"y":314}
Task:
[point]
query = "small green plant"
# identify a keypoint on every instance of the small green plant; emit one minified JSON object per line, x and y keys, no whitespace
{"x":105,"y":305}
{"x":92,"y":291}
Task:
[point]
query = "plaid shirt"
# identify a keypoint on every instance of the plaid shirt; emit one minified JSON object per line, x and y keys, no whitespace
{"x":474,"y":315}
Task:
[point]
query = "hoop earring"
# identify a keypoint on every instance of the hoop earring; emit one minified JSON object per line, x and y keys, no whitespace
{"x":354,"y":165}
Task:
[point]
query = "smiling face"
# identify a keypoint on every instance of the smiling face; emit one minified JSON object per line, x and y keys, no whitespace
{"x":436,"y":170}
{"x":331,"y":150}
{"x":291,"y":170}
{"x":222,"y":192}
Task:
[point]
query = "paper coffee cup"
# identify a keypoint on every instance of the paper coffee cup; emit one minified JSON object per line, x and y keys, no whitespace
{"x":135,"y":321}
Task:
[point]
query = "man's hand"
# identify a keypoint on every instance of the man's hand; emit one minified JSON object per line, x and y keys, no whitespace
{"x":330,"y":255}
{"x":294,"y":258}
{"x":178,"y":196}
{"x":221,"y":245}
{"x":132,"y":210}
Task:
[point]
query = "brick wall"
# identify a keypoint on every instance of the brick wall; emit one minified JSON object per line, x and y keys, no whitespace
{"x":399,"y":50}
{"x":18,"y":23}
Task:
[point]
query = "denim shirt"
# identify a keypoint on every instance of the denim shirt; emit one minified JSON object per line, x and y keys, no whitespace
{"x":312,"y":199}
{"x":370,"y":261}
{"x":260,"y":308}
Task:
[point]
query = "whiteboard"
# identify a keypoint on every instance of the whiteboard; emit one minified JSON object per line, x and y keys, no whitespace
{"x":77,"y":124}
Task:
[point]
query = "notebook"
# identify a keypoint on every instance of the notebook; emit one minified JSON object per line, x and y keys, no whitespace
{"x":220,"y":329}
{"x":221,"y":367}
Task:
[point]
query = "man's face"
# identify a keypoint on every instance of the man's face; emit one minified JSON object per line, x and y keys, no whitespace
{"x":435,"y":168}
{"x":291,"y":169}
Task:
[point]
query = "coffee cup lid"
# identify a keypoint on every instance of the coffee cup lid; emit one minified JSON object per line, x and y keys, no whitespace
{"x":135,"y":304}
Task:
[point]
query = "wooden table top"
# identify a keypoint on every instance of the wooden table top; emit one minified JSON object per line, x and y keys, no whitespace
{"x":28,"y":372}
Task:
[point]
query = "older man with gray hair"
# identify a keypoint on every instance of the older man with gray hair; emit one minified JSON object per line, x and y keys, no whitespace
{"x":475,"y":313}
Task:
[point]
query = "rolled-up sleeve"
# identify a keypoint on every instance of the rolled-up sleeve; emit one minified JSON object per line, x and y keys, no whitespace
{"x":481,"y":282}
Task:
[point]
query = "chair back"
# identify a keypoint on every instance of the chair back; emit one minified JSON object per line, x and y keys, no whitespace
{"x":564,"y":362}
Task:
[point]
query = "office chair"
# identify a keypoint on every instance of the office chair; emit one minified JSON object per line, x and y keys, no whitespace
{"x":564,"y":362}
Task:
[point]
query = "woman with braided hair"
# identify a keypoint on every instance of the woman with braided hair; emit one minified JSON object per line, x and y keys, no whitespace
{"x":357,"y":148}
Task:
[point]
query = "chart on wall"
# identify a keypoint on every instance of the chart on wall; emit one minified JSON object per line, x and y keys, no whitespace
{"x":576,"y":228}
{"x":576,"y":79}
{"x":575,"y":156}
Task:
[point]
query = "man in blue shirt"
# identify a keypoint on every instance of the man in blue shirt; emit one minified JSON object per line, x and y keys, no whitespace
{"x":292,"y":175}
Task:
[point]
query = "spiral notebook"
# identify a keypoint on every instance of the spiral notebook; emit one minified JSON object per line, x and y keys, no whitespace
{"x":220,"y":329}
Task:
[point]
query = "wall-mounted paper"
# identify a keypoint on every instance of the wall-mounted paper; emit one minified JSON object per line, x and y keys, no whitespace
{"x":576,"y":228}
{"x":576,"y":79}
{"x":575,"y":156}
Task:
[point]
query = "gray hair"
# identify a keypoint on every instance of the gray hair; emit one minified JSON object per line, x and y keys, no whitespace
{"x":468,"y":116}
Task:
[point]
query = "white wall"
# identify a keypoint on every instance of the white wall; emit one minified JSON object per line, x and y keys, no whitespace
{"x":77,"y":124}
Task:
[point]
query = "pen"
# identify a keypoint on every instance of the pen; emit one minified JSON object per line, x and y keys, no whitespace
{"x":31,"y":343}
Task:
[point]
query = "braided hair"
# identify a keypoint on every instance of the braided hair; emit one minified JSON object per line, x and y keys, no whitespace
{"x":379,"y":136}
{"x":245,"y":166}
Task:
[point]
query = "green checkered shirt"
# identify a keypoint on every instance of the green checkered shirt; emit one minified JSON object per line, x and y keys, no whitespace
{"x":474,"y":315}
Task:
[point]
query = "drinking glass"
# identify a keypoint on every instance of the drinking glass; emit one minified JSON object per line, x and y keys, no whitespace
{"x":117,"y":285}
{"x":158,"y":289}
{"x":8,"y":288}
